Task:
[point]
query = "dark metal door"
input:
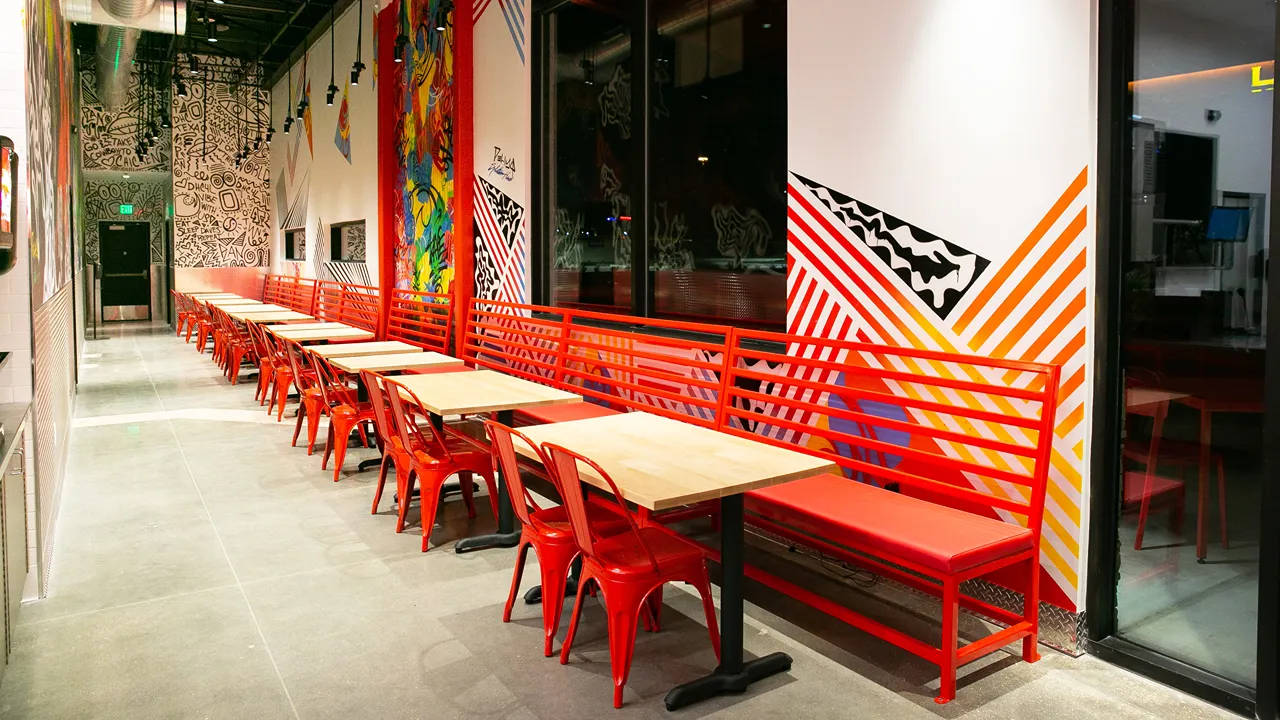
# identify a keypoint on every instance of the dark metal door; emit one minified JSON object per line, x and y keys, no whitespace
{"x":126,"y":263}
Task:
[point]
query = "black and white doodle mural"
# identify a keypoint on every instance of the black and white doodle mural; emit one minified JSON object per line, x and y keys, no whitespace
{"x":501,"y":245}
{"x":221,"y":212}
{"x":937,"y":271}
{"x":102,"y":199}
{"x":108,"y":137}
{"x":740,"y":235}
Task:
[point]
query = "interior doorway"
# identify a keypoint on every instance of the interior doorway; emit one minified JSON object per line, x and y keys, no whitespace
{"x":125,"y":251}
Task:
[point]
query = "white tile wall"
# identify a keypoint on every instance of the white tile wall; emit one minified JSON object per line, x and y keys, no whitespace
{"x":15,"y":287}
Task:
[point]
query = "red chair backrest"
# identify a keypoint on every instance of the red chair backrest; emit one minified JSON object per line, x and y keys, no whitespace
{"x":298,"y":363}
{"x":522,"y":340}
{"x":333,"y":387}
{"x":967,"y":431}
{"x":420,"y":318}
{"x":382,"y":419}
{"x":563,"y":468}
{"x":405,"y":406}
{"x":502,"y":446}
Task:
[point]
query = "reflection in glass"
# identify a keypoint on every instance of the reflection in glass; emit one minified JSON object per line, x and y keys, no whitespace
{"x":1194,"y":320}
{"x":590,"y":136}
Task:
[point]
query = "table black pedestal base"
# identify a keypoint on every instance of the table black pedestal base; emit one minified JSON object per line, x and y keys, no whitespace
{"x":508,"y":534}
{"x":534,"y":595}
{"x":369,"y":464}
{"x":724,"y":683}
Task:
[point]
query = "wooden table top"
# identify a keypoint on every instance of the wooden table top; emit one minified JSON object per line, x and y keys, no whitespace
{"x":211,"y":295}
{"x":420,"y":360}
{"x":231,"y":302}
{"x":659,"y":463}
{"x":242,"y":311}
{"x":275,"y":316}
{"x":466,"y":393}
{"x":318,"y":334}
{"x":302,"y":327}
{"x":379,"y":347}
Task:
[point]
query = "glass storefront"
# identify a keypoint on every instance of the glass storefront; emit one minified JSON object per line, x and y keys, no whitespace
{"x":1189,"y":255}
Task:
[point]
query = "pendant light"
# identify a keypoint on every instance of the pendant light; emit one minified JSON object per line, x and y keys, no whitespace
{"x":357,"y":66}
{"x":333,"y":31}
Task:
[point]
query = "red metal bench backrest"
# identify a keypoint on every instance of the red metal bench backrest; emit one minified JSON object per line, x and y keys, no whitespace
{"x":521,"y":340}
{"x":970,"y":432}
{"x":355,"y":305}
{"x":420,"y":318}
{"x":329,"y":300}
{"x":271,"y":289}
{"x":676,"y":374}
{"x":297,"y":294}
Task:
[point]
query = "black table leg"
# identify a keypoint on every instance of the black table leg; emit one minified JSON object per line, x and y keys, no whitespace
{"x":508,"y":534}
{"x":733,"y":676}
{"x":533,"y":595}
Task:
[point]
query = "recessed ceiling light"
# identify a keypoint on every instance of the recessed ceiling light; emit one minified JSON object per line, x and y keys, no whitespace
{"x":125,"y":176}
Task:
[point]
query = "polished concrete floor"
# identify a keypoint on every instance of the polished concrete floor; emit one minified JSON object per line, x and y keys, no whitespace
{"x":205,"y":569}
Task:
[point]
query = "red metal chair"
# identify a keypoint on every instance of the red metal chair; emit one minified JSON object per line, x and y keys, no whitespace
{"x":312,"y":402}
{"x":345,"y":411}
{"x":629,"y":568}
{"x":433,"y":457}
{"x":186,"y":318}
{"x":545,"y":530}
{"x":388,"y":435}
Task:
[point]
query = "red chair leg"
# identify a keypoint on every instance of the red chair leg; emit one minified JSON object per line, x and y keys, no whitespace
{"x":948,"y":662}
{"x":521,"y":553}
{"x":382,"y":481}
{"x":284,"y":379}
{"x":340,"y":429}
{"x":583,"y":582}
{"x":328,"y":447}
{"x":703,"y":585}
{"x":297,"y":428}
{"x":404,"y":490}
{"x":653,"y":610}
{"x":313,"y":425}
{"x":554,"y":562}
{"x":467,"y":486}
{"x":624,"y":616}
{"x":429,"y":506}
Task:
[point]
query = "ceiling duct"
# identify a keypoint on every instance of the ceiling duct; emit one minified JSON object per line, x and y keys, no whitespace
{"x":120,"y":24}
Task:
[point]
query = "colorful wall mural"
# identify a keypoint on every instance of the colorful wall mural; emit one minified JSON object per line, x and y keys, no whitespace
{"x":49,"y":80}
{"x":423,"y":216}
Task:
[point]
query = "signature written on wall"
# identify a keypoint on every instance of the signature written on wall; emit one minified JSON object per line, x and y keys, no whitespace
{"x":504,"y":166}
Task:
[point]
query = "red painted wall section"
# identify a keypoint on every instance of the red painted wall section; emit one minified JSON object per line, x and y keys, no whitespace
{"x":464,"y":250}
{"x":388,"y":135}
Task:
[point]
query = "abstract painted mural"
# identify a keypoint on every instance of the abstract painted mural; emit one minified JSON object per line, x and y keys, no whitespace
{"x":108,"y":137}
{"x":423,"y":218}
{"x":49,"y":81}
{"x":221,"y":212}
{"x":858,"y":273}
{"x":102,"y":199}
{"x":342,"y":133}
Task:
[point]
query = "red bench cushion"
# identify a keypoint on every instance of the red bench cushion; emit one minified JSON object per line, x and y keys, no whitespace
{"x":888,"y":524}
{"x":564,"y":413}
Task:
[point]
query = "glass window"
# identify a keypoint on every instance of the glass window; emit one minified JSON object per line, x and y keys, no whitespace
{"x":718,"y":152}
{"x":346,"y":241}
{"x":295,"y":244}
{"x":716,"y":157}
{"x":590,"y":157}
{"x":1194,"y":328}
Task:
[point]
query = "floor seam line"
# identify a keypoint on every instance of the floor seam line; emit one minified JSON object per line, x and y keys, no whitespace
{"x":253,"y":616}
{"x":135,"y":603}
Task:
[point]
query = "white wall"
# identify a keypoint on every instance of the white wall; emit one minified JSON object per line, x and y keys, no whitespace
{"x":502,"y":118}
{"x":969,"y":121}
{"x":337,"y":191}
{"x":15,"y":287}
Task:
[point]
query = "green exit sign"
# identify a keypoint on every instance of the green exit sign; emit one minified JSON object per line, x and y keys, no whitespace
{"x":126,"y":209}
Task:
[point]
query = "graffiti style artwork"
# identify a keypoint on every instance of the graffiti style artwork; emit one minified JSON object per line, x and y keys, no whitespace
{"x":102,"y":202}
{"x":373,"y":60}
{"x":1032,"y":307}
{"x":424,"y":222}
{"x":937,"y":271}
{"x":108,"y":137}
{"x":342,"y":135}
{"x":615,"y":101}
{"x":48,"y":81}
{"x":221,"y":212}
{"x":740,"y":235}
{"x":501,"y":246}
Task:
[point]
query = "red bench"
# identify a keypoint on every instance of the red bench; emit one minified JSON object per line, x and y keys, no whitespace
{"x":354,"y":305}
{"x":420,"y":318}
{"x":965,"y":449}
{"x":297,"y":294}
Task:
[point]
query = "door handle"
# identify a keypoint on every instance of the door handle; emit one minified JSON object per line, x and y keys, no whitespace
{"x":140,"y":274}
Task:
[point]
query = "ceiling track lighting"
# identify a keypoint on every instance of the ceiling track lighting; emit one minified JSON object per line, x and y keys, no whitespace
{"x":358,"y":66}
{"x":212,"y":25}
